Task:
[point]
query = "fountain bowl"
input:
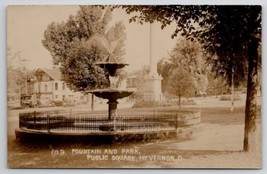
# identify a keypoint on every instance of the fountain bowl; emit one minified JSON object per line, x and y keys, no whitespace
{"x":111,"y":94}
{"x":111,"y":67}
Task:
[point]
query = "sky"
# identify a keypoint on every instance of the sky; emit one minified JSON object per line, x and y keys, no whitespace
{"x":26,"y":25}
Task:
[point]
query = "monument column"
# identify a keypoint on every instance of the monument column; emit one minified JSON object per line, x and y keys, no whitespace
{"x":153,"y":63}
{"x":153,"y":81}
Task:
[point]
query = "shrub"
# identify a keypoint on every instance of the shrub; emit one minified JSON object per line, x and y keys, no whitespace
{"x":144,"y":104}
{"x":229,"y":97}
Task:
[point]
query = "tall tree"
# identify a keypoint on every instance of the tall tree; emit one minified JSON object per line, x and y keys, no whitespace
{"x":19,"y":77}
{"x":233,"y":33}
{"x":217,"y":84}
{"x":164,"y":68}
{"x":190,"y":57}
{"x":181,"y":83}
{"x":82,"y":40}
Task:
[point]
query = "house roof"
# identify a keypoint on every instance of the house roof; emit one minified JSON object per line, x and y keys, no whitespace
{"x":132,"y":76}
{"x":54,"y":73}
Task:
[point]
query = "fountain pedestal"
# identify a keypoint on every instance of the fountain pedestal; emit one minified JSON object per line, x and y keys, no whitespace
{"x":111,"y":95}
{"x":112,"y":109}
{"x":110,"y":125}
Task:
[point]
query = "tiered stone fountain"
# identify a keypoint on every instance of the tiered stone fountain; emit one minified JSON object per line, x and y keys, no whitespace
{"x":113,"y":92}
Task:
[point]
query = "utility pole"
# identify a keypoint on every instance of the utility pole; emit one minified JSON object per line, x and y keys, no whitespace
{"x":23,"y":62}
{"x":232,"y":98}
{"x":26,"y":84}
{"x":25,"y":73}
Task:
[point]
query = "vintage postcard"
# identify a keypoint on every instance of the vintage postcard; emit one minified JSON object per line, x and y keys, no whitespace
{"x":138,"y":86}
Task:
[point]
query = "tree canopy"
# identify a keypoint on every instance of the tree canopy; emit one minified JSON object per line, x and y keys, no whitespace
{"x":18,"y":75}
{"x":188,"y":57}
{"x":181,"y":83}
{"x":224,"y":31}
{"x":82,"y":40}
{"x":231,"y":33}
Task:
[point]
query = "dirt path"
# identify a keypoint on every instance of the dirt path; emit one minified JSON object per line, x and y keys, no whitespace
{"x":217,"y":142}
{"x":212,"y":145}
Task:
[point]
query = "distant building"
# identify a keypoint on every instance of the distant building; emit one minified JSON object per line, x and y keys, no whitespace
{"x":48,"y":86}
{"x":132,"y":82}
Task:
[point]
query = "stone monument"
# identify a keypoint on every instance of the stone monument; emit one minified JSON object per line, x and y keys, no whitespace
{"x":153,"y":81}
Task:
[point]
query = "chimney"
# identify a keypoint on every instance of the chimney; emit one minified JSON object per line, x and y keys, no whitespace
{"x":56,"y":66}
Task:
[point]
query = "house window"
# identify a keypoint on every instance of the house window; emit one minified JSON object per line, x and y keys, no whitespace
{"x":63,"y":86}
{"x":56,"y":86}
{"x":45,"y":88}
{"x":56,"y":96}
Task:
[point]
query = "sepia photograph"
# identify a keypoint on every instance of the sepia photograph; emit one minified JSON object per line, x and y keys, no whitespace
{"x":134,"y":86}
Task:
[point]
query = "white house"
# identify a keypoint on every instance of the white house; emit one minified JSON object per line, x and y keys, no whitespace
{"x":48,"y":86}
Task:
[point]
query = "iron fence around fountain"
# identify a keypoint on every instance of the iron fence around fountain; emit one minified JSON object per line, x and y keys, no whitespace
{"x":81,"y":122}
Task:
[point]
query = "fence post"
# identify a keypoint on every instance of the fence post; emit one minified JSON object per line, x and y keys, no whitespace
{"x":176,"y":122}
{"x":48,"y":123}
{"x":20,"y":121}
{"x":34,"y":118}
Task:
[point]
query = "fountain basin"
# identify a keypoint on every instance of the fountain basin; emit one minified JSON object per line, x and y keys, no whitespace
{"x":111,"y":94}
{"x":112,"y":126}
{"x":62,"y":126}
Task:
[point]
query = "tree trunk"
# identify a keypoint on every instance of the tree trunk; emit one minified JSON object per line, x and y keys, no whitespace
{"x":251,"y":102}
{"x":179,"y":96}
{"x":92,"y":102}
